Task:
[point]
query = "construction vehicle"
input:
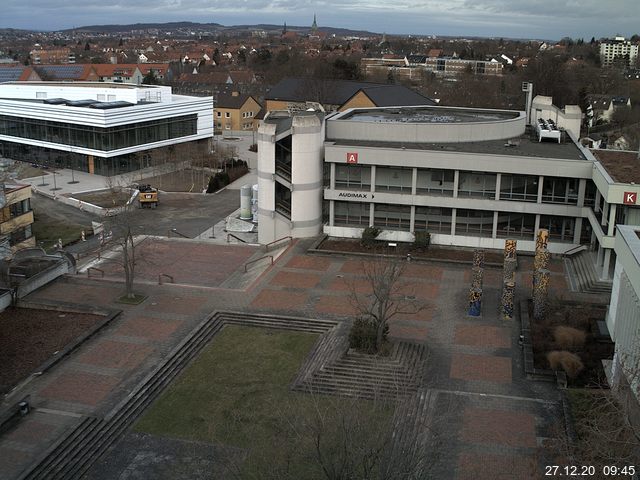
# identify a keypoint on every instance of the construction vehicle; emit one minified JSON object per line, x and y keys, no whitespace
{"x":147,"y":196}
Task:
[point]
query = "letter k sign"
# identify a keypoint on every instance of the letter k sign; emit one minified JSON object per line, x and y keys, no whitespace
{"x":630,"y":198}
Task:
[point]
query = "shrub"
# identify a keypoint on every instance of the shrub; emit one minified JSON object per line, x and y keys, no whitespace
{"x":253,"y":147}
{"x":369,"y":236}
{"x":569,"y":338}
{"x":218,"y":181}
{"x":423,"y":239}
{"x":363,"y":335}
{"x":567,"y":361}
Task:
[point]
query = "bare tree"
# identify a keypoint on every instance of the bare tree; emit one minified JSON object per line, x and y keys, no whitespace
{"x":388,"y":295}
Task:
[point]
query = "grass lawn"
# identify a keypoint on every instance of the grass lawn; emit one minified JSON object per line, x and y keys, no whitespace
{"x":236,"y":393}
{"x":48,"y":230}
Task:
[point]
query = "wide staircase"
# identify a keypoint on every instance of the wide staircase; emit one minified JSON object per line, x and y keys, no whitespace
{"x":72,"y":456}
{"x":333,"y":369}
{"x":583,"y":276}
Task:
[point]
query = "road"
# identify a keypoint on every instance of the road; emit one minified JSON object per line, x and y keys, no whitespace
{"x":189,"y":214}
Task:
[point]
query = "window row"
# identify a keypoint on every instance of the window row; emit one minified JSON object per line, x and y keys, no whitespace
{"x":470,"y":184}
{"x":475,"y":223}
{"x":105,"y":139}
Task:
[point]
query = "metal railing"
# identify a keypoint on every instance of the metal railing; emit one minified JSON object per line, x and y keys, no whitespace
{"x":573,"y":250}
{"x":164,"y":275}
{"x":90,"y":269}
{"x":257,"y":260}
{"x":236,"y":237}
{"x":288,"y":237}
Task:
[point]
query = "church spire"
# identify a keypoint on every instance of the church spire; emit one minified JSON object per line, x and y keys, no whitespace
{"x":284,"y":29}
{"x":314,"y":25}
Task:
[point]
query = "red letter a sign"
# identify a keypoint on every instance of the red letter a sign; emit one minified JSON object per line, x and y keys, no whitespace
{"x":352,"y":158}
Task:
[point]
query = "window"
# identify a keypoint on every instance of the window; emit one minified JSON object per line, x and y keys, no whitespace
{"x":218,"y":114}
{"x":393,"y":217}
{"x":227,"y":127}
{"x":41,"y":94}
{"x":227,"y":115}
{"x":433,"y":219}
{"x":560,"y":190}
{"x":393,"y":179}
{"x":523,"y":188}
{"x":435,"y":182}
{"x":560,"y":228}
{"x":353,"y":177}
{"x":476,"y":223}
{"x":351,"y":213}
{"x":477,"y":184}
{"x":516,"y":225}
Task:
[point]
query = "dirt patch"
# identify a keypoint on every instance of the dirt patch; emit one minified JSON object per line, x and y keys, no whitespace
{"x":554,"y":333}
{"x":106,"y":199}
{"x":28,"y":337}
{"x":432,"y":252}
{"x":187,"y":180}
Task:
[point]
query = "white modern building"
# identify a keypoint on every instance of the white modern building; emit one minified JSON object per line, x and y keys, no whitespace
{"x":103,"y":128}
{"x":470,"y":177}
{"x":620,"y":50}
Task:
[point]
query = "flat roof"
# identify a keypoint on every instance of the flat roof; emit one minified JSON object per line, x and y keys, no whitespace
{"x":623,"y":166}
{"x":428,"y":115}
{"x":522,"y":146}
{"x":69,"y":84}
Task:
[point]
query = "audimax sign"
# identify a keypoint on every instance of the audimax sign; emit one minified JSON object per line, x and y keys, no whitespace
{"x":354,"y":195}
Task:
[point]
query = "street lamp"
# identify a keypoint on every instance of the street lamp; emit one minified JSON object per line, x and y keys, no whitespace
{"x":73,"y":161}
{"x":55,"y":186}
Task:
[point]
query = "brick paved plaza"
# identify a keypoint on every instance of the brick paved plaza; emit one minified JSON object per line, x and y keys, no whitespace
{"x":495,"y":418}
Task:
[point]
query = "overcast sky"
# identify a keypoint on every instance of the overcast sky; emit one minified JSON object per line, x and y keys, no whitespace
{"x":550,"y":19}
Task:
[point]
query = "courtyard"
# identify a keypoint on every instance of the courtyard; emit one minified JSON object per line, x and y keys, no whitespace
{"x":470,"y":387}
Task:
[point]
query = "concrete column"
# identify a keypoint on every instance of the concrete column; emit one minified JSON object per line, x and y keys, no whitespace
{"x":414,"y":184}
{"x":332,"y":211}
{"x":494,"y":231}
{"x":604,"y":275}
{"x":536,"y":225}
{"x":332,"y":180}
{"x":373,"y":178}
{"x":498,"y":181}
{"x":453,"y":221}
{"x":612,"y":218}
{"x":540,"y":184}
{"x":605,"y":213}
{"x":456,"y":181}
{"x":412,"y":220}
{"x":599,"y":256}
{"x":582,"y":189}
{"x":577,"y":230}
{"x":371,"y":214}
{"x":596,"y":207}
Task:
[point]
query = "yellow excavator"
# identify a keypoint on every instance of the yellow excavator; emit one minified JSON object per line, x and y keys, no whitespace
{"x":147,"y":196}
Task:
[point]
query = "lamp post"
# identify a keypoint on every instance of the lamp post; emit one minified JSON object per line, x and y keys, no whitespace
{"x":55,"y":186}
{"x":73,"y":161}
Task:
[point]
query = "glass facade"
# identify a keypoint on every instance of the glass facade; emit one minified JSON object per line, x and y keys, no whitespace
{"x":561,"y":229}
{"x":477,"y":184}
{"x":392,"y":217}
{"x":393,"y":179}
{"x":475,"y":223}
{"x":433,"y":220}
{"x":351,"y":213}
{"x":435,"y":182}
{"x":522,"y":188}
{"x":560,"y":190}
{"x":96,"y":138}
{"x":516,"y":225}
{"x":354,"y":177}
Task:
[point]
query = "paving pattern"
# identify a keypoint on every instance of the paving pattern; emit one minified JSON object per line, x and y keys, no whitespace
{"x":492,"y":418}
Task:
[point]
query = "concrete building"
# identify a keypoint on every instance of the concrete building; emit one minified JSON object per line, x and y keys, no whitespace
{"x":104,"y":128}
{"x":623,"y":316}
{"x":16,"y":217}
{"x":569,"y":117}
{"x":618,"y":51}
{"x":470,"y":177}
